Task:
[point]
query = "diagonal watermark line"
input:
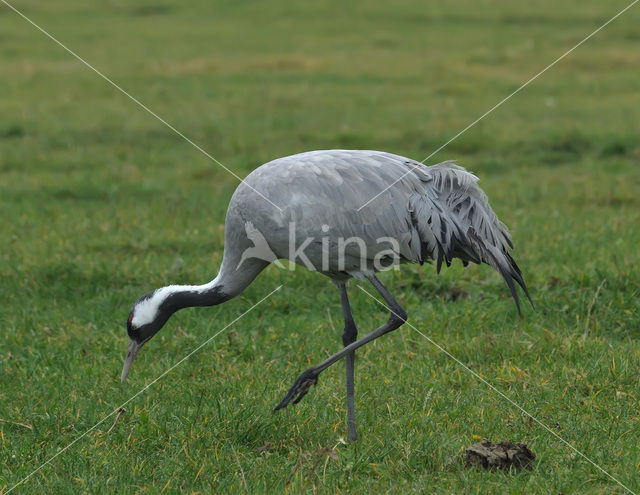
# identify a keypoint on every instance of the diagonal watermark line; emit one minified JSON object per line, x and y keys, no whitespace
{"x":136,"y":101}
{"x":77,"y":439}
{"x":501,"y":394}
{"x":505,"y":98}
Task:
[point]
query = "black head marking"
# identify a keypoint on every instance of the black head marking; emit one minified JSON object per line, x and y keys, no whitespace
{"x":130,"y":329}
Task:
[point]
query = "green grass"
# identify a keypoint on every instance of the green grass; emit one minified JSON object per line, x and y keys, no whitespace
{"x":100,"y":202}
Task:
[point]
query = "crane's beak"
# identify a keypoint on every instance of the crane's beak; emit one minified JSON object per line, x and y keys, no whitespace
{"x":132,"y":353}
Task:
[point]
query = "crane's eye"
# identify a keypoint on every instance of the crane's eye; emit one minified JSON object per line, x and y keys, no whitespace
{"x":130,"y":327}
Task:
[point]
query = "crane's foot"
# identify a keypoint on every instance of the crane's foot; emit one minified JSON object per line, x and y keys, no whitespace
{"x":299,"y":389}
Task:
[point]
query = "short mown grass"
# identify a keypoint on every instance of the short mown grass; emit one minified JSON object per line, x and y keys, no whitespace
{"x":100,"y":203}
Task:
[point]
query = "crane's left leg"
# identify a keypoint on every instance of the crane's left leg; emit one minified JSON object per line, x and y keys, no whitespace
{"x":309,"y":377}
{"x":349,"y":335}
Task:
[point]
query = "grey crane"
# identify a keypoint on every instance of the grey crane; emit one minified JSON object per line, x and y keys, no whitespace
{"x":421,"y":214}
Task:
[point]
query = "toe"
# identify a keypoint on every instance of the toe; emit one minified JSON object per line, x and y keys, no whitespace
{"x":299,"y":389}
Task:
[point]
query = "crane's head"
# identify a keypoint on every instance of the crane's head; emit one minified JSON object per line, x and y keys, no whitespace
{"x":148,"y":315}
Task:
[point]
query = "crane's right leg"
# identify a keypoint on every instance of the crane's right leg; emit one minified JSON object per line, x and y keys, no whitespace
{"x":309,"y":377}
{"x":349,"y":336}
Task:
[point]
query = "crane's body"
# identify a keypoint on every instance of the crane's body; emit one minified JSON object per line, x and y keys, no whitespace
{"x":316,"y":209}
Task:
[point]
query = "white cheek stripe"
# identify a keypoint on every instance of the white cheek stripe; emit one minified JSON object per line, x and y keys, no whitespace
{"x":146,"y":311}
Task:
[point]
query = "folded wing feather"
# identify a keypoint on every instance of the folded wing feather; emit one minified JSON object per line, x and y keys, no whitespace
{"x":454,"y":220}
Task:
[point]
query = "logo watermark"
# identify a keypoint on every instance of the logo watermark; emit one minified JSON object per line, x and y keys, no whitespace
{"x":325,"y":252}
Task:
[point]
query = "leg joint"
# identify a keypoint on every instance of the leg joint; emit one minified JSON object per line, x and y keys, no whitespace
{"x":398,"y":315}
{"x":350,"y":333}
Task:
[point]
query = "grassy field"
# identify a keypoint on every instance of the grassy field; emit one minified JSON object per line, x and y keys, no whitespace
{"x":100,"y":202}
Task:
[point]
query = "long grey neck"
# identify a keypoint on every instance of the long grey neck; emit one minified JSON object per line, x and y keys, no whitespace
{"x":227,"y":285}
{"x":185,"y":296}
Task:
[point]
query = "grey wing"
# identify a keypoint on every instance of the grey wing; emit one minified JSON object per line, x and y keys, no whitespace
{"x":435,"y":212}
